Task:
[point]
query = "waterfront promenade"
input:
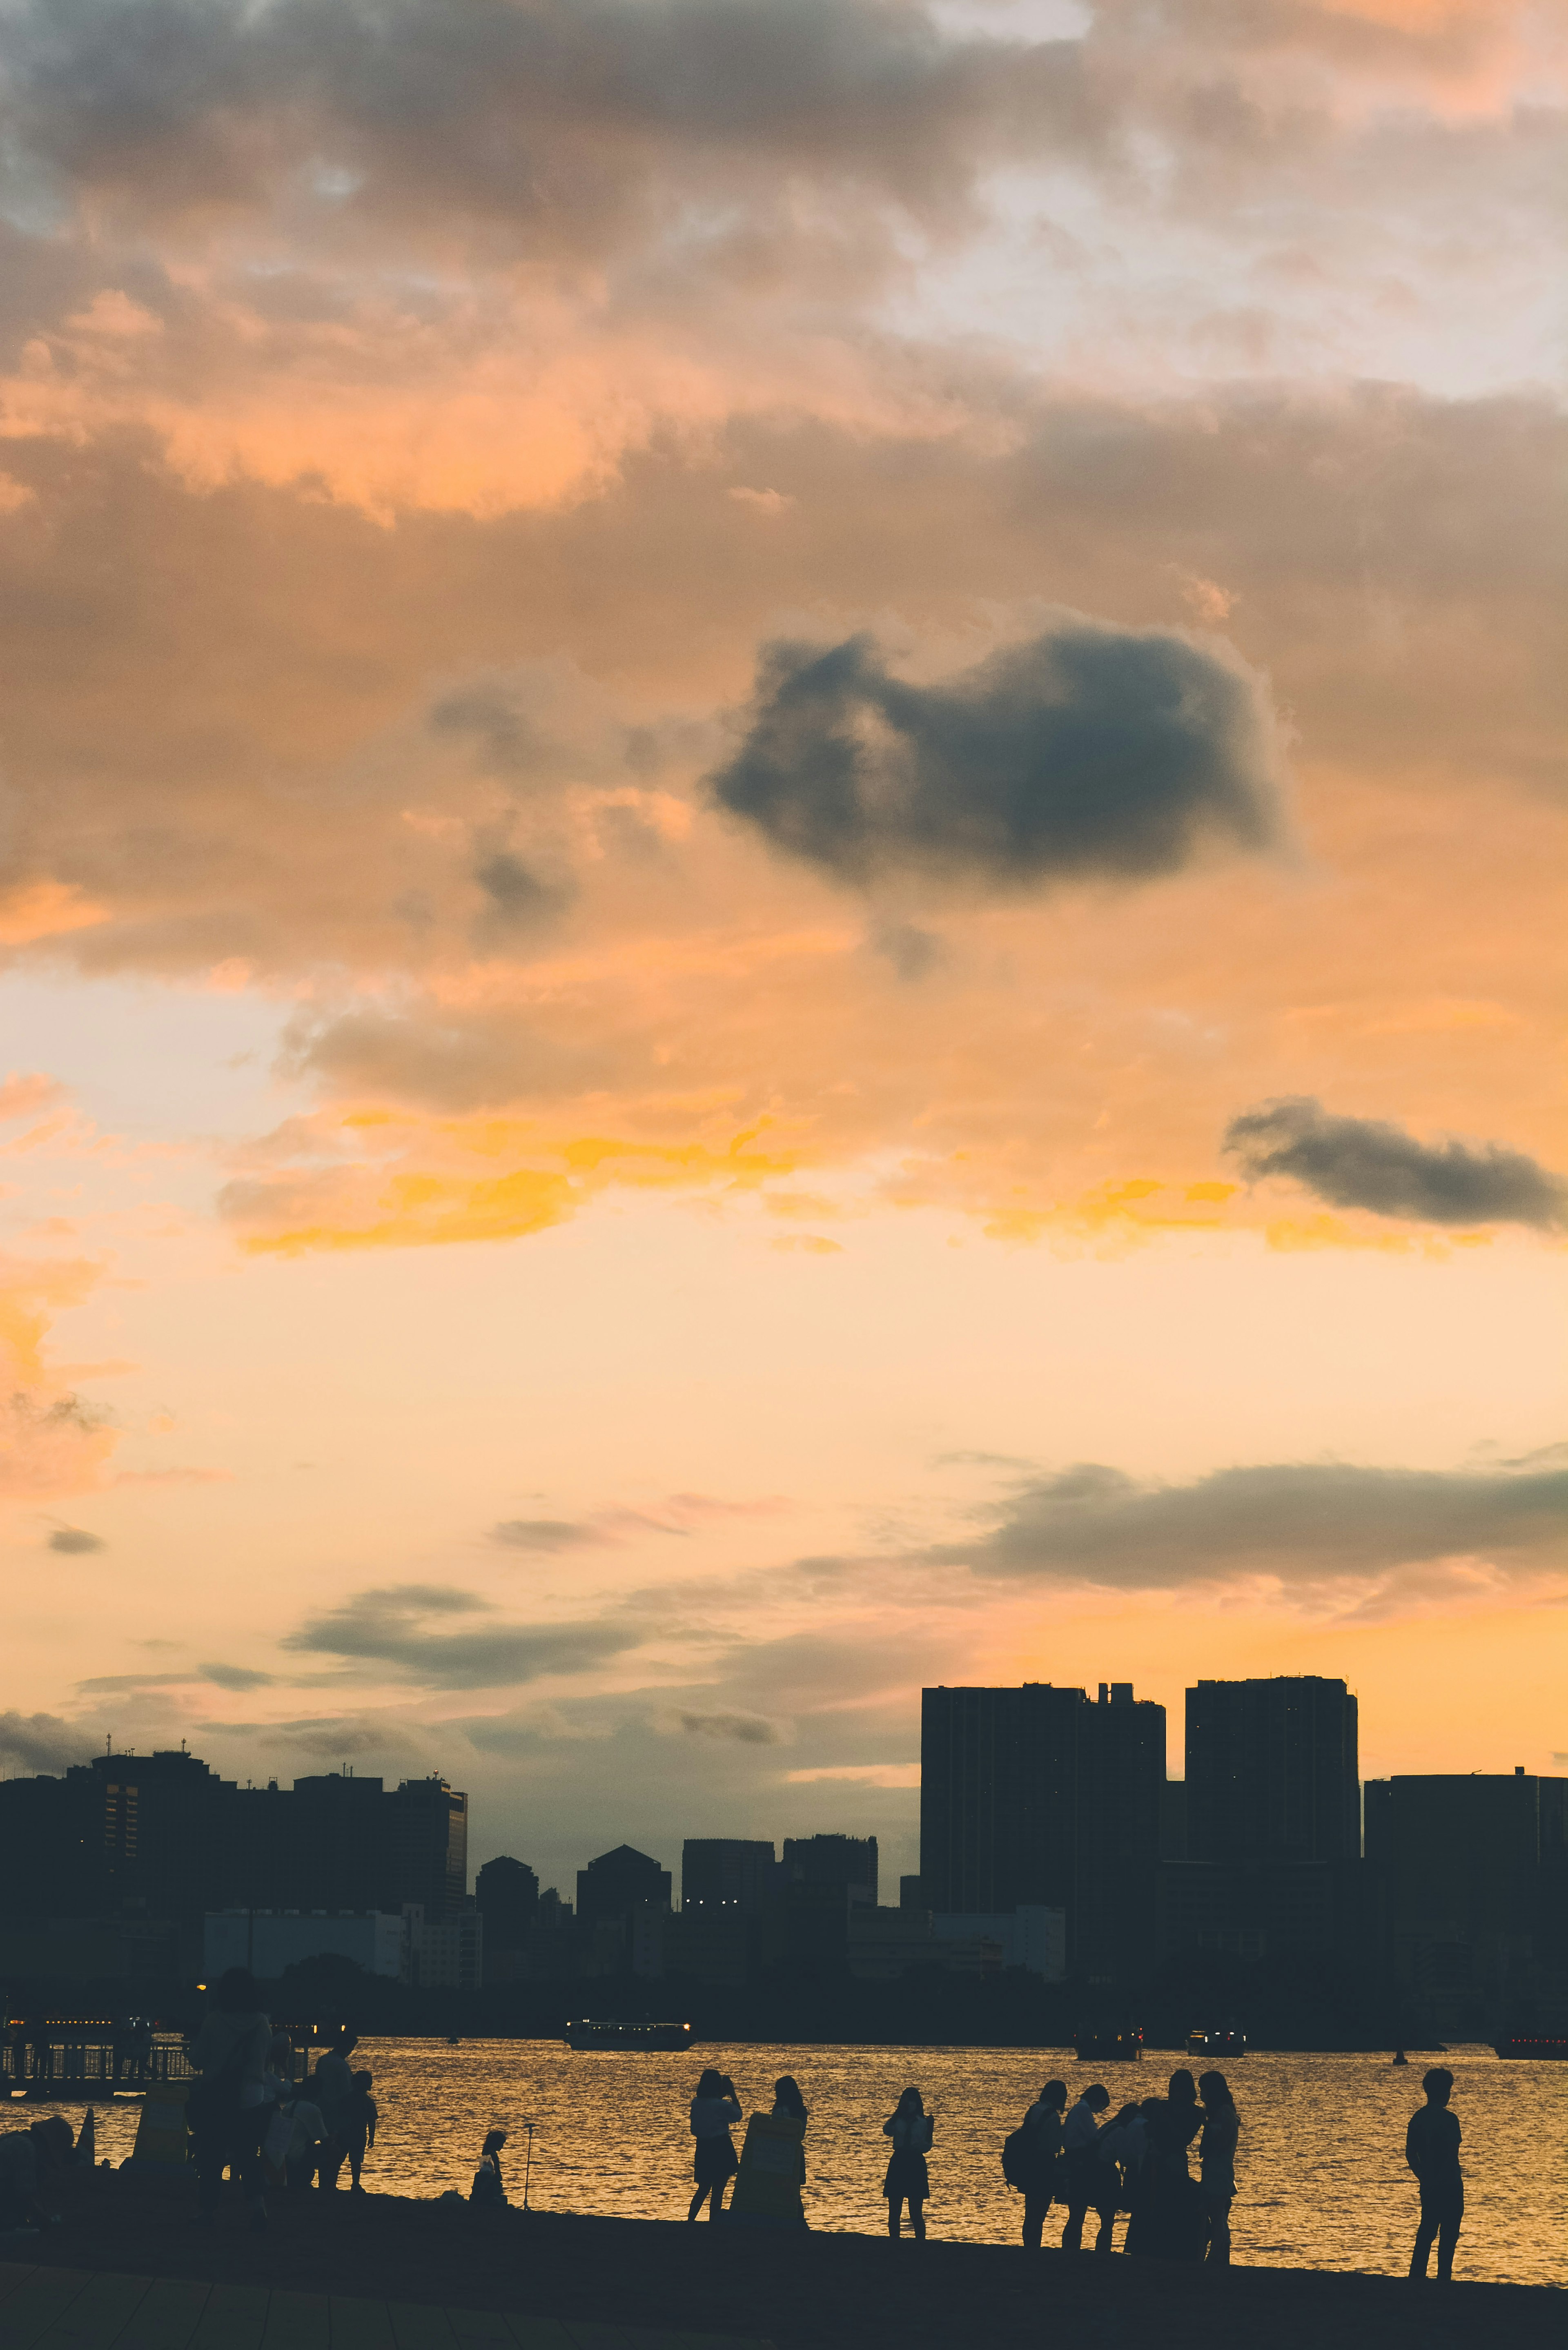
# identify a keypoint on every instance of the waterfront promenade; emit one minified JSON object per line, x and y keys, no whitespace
{"x":645,"y":2277}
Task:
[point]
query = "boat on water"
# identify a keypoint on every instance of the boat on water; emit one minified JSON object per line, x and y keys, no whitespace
{"x":643,"y":2039}
{"x":1226,"y":2042}
{"x":1109,"y":2047}
{"x":1551,"y":2047}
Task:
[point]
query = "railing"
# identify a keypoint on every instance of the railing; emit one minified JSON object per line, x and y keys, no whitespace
{"x":63,"y":2058}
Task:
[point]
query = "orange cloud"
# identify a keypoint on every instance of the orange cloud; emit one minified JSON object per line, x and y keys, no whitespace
{"x":421,"y":1189}
{"x":51,"y":1441}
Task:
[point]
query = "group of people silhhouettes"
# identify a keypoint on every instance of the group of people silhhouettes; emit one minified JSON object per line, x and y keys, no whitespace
{"x":1140,"y":2163}
{"x":247,"y":2115}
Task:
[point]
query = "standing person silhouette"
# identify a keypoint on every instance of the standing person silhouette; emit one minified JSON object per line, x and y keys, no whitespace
{"x":1217,"y":2164}
{"x":911,"y":2130}
{"x":1432,"y":2151}
{"x":1043,"y":2129}
{"x":1168,"y":2220}
{"x":228,"y":2109}
{"x":1084,"y":2180}
{"x":714,"y":2111}
{"x":790,"y":2105}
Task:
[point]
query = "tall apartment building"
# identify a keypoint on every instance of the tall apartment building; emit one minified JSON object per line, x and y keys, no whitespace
{"x":615,"y":1884}
{"x":1471,"y":1880}
{"x":1271,"y":1771}
{"x":1044,"y":1796}
{"x":1261,"y":1854}
{"x":843,"y":1860}
{"x":730,"y":1874}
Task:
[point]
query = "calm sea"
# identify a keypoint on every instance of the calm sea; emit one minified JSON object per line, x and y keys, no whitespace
{"x":1321,"y":2170}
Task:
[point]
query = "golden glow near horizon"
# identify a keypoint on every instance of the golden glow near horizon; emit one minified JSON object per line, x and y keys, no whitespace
{"x":782,"y":880}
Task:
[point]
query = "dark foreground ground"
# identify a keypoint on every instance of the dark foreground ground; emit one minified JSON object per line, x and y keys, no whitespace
{"x":802,"y":2292}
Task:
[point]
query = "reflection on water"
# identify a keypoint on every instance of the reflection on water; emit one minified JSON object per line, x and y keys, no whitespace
{"x":1321,"y":2170}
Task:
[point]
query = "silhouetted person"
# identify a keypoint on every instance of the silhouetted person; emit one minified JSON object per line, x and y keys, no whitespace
{"x":911,"y":2130}
{"x":1082,"y":2179}
{"x":1217,"y":2164}
{"x":790,"y":2105}
{"x":715,"y":2110}
{"x":31,"y":2162}
{"x":335,"y":2095}
{"x":1119,"y":2152}
{"x":363,"y":2116}
{"x":1043,"y":2138}
{"x":306,"y":2138}
{"x":489,"y":2187}
{"x":1432,"y":2151}
{"x":1169,"y":2213}
{"x":1139,"y":2189}
{"x":228,"y":2108}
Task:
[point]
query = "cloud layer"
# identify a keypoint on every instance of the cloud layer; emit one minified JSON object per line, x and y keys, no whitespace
{"x":1303,"y":1523}
{"x":1367,"y":1162}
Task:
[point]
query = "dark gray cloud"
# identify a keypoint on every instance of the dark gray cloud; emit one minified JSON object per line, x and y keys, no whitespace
{"x":517,"y":897}
{"x":1367,"y":1162}
{"x":547,"y":1534}
{"x":1090,"y":750}
{"x":1305,"y":1522}
{"x":746,"y":1729}
{"x":43,"y":1741}
{"x":391,"y":1627}
{"x":552,"y":117}
{"x":236,"y":1677}
{"x":75,"y":1541}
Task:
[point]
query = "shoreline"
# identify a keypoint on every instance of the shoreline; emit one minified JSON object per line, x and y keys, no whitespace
{"x":801,"y":2291}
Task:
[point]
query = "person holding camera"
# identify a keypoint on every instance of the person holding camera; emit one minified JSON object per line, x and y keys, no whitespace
{"x":715,"y":2110}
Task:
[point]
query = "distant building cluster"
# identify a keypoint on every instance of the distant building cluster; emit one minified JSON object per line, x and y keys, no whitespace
{"x":124,"y":1867}
{"x":1052,"y":1841}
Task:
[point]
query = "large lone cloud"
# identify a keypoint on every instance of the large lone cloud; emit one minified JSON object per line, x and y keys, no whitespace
{"x":1088,"y":750}
{"x":1367,"y":1162}
{"x":1303,"y":1522}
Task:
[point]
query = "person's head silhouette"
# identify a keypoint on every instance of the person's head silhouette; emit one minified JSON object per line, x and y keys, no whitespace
{"x":1183,"y":2088}
{"x":1437,"y":2084}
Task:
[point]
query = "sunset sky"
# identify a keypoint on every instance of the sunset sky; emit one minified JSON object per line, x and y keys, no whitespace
{"x":782,"y":875}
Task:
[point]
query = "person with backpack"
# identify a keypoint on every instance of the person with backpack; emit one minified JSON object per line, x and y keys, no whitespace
{"x":1432,"y":2151}
{"x":228,"y":2110}
{"x":1031,"y":2160}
